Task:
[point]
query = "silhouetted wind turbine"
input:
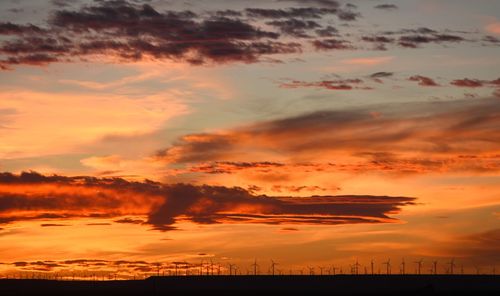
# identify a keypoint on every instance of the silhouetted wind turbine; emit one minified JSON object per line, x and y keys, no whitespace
{"x":311,"y":270}
{"x":273,"y":264}
{"x":419,"y":265}
{"x":158,"y":268}
{"x":371,"y":265}
{"x":231,"y":266}
{"x":452,"y":265}
{"x":403,"y":265}
{"x":435,"y":263}
{"x":334,"y":269}
{"x":388,"y":266}
{"x":255,"y":265}
{"x":356,"y":267}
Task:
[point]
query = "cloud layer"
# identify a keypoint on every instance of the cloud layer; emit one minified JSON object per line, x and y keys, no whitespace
{"x":30,"y":196}
{"x":433,"y":137}
{"x":128,"y":31}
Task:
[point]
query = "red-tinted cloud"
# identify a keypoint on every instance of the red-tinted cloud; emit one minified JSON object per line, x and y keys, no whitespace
{"x":473,"y":83}
{"x":423,"y":80}
{"x":30,"y":195}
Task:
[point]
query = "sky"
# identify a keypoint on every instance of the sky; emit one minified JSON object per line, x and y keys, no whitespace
{"x":135,"y":135}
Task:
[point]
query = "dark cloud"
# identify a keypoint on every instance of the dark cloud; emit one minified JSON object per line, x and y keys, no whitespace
{"x":491,"y":40}
{"x":166,"y":204}
{"x":413,"y":41}
{"x":423,"y":80}
{"x":328,"y":31}
{"x":413,"y":38}
{"x":294,"y":27}
{"x":127,"y":220}
{"x":133,"y":32}
{"x":303,"y":12}
{"x":331,"y":44}
{"x":228,"y":167}
{"x":382,"y":75}
{"x":339,"y":84}
{"x":348,"y":15}
{"x":13,"y":29}
{"x":53,"y":225}
{"x":386,"y":6}
{"x":377,"y":39}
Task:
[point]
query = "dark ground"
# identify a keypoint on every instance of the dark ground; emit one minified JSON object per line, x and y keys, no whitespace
{"x":256,"y":285}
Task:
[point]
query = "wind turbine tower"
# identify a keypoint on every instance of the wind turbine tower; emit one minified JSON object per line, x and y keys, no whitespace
{"x":419,"y":266}
{"x":388,"y":266}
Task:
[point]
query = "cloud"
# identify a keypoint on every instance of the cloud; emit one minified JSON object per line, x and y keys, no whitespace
{"x":228,"y":167}
{"x":294,"y":27}
{"x":133,"y":32}
{"x":382,"y":74}
{"x":28,"y":194}
{"x":413,"y":38}
{"x":14,"y":29}
{"x":423,"y":80}
{"x":473,"y":83}
{"x":305,"y":13}
{"x":339,"y":84}
{"x":329,"y":44}
{"x":386,"y":6}
{"x":413,"y":41}
{"x":53,"y":225}
{"x":432,"y":137}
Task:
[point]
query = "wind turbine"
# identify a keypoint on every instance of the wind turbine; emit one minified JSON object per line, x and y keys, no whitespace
{"x":334,"y":269}
{"x":435,"y":263}
{"x":231,"y":266}
{"x":311,"y":270}
{"x":356,"y":267}
{"x":419,"y":265}
{"x":255,"y":266}
{"x":273,"y":264}
{"x":388,"y":265}
{"x":371,"y":265}
{"x":403,"y":265}
{"x":452,"y":265}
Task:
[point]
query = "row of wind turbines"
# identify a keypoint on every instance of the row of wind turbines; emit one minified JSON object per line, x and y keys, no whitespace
{"x":209,"y":267}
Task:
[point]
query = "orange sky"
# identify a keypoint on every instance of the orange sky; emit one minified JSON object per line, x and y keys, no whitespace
{"x":313,"y":133}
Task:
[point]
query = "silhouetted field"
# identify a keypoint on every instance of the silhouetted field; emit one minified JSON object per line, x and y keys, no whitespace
{"x":253,"y":285}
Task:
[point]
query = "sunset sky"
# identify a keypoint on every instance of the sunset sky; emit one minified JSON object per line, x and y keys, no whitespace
{"x":312,"y":133}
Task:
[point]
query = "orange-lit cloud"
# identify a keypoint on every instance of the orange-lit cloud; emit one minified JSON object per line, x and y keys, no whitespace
{"x":32,"y":196}
{"x":438,"y":136}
